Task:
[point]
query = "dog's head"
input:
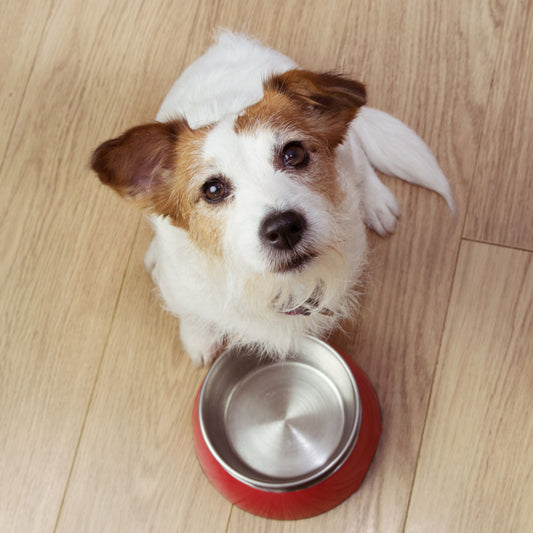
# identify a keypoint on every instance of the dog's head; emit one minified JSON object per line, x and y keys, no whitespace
{"x":262,"y":188}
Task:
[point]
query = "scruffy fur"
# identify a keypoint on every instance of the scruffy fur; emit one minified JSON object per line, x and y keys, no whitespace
{"x":258,"y":178}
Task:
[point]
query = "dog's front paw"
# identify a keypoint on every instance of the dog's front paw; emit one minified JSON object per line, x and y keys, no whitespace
{"x":200,"y":341}
{"x":380,"y":206}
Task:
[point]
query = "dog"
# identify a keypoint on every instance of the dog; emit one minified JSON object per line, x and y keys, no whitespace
{"x":259,"y":178}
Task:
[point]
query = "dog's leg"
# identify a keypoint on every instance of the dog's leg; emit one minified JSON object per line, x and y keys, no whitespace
{"x":199,"y":340}
{"x":379,"y":204}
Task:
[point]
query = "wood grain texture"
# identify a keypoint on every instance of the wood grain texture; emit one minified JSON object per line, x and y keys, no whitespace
{"x":309,"y":32}
{"x":474,"y":472}
{"x":95,"y":392}
{"x":136,"y":469}
{"x":62,"y":264}
{"x":501,"y":203}
{"x":22,"y":26}
{"x":58,"y":292}
{"x":423,"y":78}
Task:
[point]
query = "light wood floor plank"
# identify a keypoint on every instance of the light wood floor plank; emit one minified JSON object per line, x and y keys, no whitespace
{"x":501,"y":204}
{"x":21,"y":27}
{"x":63,"y":258}
{"x":475,"y":467}
{"x":312,"y":34}
{"x":136,"y":470}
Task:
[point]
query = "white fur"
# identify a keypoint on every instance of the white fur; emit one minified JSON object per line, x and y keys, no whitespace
{"x":234,"y":298}
{"x":396,"y":150}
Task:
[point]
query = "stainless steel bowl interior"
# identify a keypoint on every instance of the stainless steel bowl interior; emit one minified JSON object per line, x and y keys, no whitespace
{"x":280,"y":425}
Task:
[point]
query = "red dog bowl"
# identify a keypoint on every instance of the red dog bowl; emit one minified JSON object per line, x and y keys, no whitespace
{"x":286,"y":439}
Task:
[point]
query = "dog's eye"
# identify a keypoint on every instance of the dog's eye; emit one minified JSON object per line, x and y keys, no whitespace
{"x":215,"y":190}
{"x":295,"y":155}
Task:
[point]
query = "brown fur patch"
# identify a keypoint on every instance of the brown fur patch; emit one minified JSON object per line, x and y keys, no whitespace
{"x":202,"y":220}
{"x":314,"y":109}
{"x":139,"y":164}
{"x":158,"y":168}
{"x":182,"y":192}
{"x":327,"y":101}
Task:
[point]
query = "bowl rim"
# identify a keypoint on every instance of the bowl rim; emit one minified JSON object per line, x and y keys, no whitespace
{"x":316,"y":476}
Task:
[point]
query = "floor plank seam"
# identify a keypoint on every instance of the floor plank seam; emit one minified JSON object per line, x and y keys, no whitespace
{"x":430,"y":395}
{"x":458,"y":251}
{"x":229,"y":518}
{"x":497,"y":245}
{"x":490,"y":96}
{"x":97,"y":376}
{"x":104,"y":350}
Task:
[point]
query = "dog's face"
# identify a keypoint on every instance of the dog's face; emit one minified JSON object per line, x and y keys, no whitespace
{"x":260,"y":189}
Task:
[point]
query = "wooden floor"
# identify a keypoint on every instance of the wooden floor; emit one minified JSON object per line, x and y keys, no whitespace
{"x":95,"y":392}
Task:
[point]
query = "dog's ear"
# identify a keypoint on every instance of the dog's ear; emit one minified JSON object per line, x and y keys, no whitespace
{"x":140,"y":164}
{"x":333,"y":100}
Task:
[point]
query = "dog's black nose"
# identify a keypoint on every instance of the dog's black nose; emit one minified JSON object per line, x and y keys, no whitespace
{"x":283,"y":230}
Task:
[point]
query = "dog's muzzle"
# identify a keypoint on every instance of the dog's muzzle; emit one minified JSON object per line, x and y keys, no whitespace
{"x":281,"y":232}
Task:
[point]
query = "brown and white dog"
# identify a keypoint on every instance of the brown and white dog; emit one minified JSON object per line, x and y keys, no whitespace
{"x":259,"y":178}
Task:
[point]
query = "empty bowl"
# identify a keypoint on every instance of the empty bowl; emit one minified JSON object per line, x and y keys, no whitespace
{"x":286,"y":439}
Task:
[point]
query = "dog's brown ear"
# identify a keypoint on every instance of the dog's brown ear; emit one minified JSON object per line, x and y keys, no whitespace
{"x":333,"y":99}
{"x":140,"y":164}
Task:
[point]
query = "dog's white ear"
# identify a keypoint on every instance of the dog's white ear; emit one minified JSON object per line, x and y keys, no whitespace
{"x":331,"y":99}
{"x":140,"y":164}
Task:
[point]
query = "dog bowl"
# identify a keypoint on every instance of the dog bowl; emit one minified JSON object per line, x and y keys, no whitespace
{"x":286,"y":439}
